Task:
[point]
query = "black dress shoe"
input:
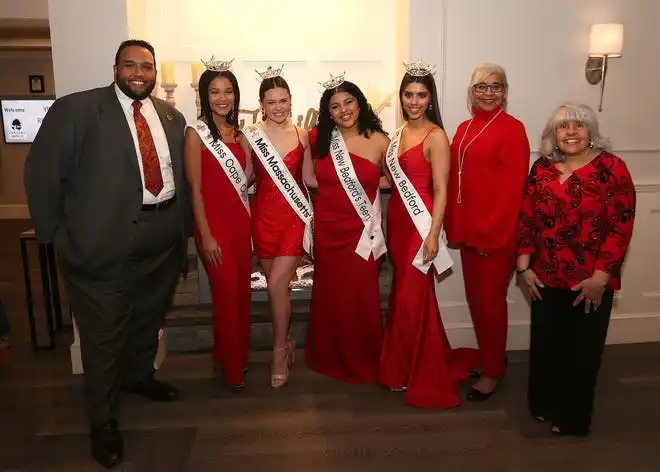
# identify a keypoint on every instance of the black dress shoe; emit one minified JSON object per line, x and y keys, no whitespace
{"x":475,"y":395}
{"x":155,"y":391}
{"x":107,"y":445}
{"x":475,"y":373}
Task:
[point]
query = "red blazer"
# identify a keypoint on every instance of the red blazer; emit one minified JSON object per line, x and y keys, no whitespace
{"x":495,"y":166}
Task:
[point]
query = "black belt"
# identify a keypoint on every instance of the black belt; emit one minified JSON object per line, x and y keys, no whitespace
{"x":159,"y":205}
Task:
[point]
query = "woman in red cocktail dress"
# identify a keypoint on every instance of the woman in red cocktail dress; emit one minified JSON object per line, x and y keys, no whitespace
{"x":277,"y":229}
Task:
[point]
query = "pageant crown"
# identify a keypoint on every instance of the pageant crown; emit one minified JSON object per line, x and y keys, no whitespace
{"x":419,"y":68}
{"x":269,"y":73}
{"x":217,"y":66}
{"x":334,"y":82}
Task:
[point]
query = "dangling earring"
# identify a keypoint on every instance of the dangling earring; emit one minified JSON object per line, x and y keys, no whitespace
{"x":430,"y":106}
{"x":263,"y":115}
{"x":591,"y":144}
{"x":556,"y":148}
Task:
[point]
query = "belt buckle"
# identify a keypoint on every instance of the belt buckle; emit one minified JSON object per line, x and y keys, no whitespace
{"x":161,"y":204}
{"x":164,"y":204}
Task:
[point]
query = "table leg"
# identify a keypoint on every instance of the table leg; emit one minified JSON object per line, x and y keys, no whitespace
{"x":28,"y":294}
{"x":48,"y":300}
{"x":55,"y":287}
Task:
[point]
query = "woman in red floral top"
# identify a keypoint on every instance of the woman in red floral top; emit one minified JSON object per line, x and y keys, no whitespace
{"x":575,"y":228}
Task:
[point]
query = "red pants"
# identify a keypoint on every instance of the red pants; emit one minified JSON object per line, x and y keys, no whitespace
{"x":487,"y":281}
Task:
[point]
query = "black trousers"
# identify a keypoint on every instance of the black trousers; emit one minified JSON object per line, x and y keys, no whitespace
{"x":119,"y":317}
{"x":566,"y":348}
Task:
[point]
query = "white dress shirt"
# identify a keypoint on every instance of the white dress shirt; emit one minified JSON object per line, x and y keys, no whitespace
{"x":160,"y":141}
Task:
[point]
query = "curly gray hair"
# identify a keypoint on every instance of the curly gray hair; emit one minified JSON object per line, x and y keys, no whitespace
{"x":575,"y":113}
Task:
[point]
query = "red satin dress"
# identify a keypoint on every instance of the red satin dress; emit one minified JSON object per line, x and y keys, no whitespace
{"x":229,"y":223}
{"x":345,"y":330}
{"x":276,"y":229}
{"x":416,"y":353}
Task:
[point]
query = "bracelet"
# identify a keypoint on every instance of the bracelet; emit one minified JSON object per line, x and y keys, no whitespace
{"x":522,"y":271}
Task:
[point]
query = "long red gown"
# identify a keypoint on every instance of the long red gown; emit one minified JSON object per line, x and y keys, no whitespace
{"x":345,"y":330}
{"x":229,"y":223}
{"x":416,"y":353}
{"x":276,"y":229}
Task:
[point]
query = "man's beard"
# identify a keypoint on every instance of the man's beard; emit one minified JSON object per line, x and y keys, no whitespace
{"x":126,"y":88}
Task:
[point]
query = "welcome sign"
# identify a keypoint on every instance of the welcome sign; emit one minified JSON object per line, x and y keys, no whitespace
{"x":21,"y":119}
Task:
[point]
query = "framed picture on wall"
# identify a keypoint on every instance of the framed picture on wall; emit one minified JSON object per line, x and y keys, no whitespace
{"x":37,"y":84}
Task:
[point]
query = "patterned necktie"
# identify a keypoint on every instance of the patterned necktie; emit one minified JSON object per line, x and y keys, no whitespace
{"x":153,"y":179}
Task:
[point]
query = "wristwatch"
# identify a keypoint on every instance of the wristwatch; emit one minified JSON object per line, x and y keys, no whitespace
{"x":522,"y":271}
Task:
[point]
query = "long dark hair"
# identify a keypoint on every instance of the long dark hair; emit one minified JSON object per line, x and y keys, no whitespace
{"x":232,"y":117}
{"x":433,"y":112}
{"x":368,"y":121}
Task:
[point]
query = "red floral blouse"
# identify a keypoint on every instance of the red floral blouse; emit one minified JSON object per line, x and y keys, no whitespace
{"x":578,"y":226}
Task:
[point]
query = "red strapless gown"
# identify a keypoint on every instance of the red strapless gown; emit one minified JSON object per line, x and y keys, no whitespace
{"x":276,"y":229}
{"x":416,"y":353}
{"x":345,"y":330}
{"x":230,"y":281}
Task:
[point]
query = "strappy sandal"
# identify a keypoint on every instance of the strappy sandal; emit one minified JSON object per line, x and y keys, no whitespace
{"x":280,"y":380}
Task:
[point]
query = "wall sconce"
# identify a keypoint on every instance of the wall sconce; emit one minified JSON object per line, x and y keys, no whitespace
{"x":605,"y":41}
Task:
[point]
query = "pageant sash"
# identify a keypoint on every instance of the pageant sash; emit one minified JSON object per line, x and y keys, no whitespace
{"x":286,"y":184}
{"x":227,"y":161}
{"x":371,"y":239}
{"x":416,"y":209}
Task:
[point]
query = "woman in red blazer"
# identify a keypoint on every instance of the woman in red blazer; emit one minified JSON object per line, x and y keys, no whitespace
{"x":490,"y":161}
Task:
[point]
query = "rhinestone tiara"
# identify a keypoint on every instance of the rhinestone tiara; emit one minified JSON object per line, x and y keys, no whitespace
{"x":334,"y":82}
{"x":269,"y":73}
{"x":419,"y":68}
{"x":217,"y":66}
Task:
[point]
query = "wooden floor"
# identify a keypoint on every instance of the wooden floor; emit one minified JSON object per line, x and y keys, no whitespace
{"x":314,"y":424}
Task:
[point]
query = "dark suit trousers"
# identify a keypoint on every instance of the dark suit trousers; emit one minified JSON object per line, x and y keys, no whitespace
{"x":566,"y":347}
{"x":119,"y":316}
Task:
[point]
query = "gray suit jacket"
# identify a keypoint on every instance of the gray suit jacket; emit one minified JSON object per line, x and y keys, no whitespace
{"x":83,"y":182}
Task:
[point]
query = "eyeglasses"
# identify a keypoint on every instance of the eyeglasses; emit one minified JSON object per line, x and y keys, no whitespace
{"x":495,"y":88}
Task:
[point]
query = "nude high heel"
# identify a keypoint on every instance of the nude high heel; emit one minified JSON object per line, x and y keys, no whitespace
{"x":280,"y":380}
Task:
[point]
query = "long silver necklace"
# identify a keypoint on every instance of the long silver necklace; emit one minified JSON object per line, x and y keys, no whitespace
{"x":461,"y":156}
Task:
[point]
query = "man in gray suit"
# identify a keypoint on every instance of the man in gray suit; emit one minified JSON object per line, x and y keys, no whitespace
{"x":106,"y":185}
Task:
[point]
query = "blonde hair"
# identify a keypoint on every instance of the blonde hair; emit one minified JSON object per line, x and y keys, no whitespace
{"x":481,"y":73}
{"x":571,"y":113}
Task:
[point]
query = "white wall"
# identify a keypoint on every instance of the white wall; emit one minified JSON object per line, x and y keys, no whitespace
{"x":543,"y":46}
{"x":311,"y":39}
{"x":85,"y":36}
